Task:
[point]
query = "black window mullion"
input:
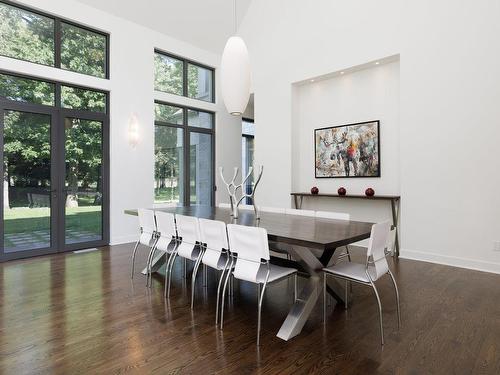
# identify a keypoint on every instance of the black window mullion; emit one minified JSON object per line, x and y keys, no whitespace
{"x":57,"y":43}
{"x":184,"y":78}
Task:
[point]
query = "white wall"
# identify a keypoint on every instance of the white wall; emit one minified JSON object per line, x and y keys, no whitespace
{"x":449,"y":112}
{"x":131,"y":91}
{"x":368,"y":94}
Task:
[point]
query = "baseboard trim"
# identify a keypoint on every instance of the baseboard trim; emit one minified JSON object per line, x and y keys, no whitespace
{"x":471,"y":264}
{"x":124,"y":239}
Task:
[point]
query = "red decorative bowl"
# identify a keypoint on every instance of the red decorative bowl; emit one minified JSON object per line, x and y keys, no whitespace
{"x":342,"y":191}
{"x":314,"y":190}
{"x":369,"y":192}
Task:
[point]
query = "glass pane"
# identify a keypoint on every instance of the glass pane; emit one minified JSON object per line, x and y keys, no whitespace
{"x":200,"y":81}
{"x":83,"y":180}
{"x":200,"y":169}
{"x":247,"y":151}
{"x":169,"y":165}
{"x":26,"y":90}
{"x":200,"y":119}
{"x":247,"y":128}
{"x":25,"y":35}
{"x":88,"y":100}
{"x":83,"y":51}
{"x":168,"y":74}
{"x":27,"y":181}
{"x":169,"y":113}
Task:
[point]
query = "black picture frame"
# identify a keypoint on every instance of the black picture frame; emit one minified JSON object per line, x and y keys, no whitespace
{"x":376,"y":124}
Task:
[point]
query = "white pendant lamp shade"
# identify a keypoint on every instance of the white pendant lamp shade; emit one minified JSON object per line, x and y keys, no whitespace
{"x":235,"y":76}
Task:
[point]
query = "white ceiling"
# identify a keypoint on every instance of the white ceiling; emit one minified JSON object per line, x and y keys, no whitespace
{"x":204,"y":23}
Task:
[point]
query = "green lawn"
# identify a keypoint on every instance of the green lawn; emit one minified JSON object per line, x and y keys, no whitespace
{"x":25,"y":220}
{"x":164,"y":195}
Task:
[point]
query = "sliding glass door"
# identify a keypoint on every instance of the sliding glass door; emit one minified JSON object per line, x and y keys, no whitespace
{"x":55,"y":167}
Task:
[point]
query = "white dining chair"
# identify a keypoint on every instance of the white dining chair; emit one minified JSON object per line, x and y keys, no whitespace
{"x":275,"y":210}
{"x":337,"y":216}
{"x":215,"y":253}
{"x":147,"y":236}
{"x":294,"y":211}
{"x":366,"y":274}
{"x":166,"y":240}
{"x":189,"y":245}
{"x":250,"y":257}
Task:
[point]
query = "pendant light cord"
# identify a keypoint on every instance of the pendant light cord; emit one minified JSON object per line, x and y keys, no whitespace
{"x":235,"y":21}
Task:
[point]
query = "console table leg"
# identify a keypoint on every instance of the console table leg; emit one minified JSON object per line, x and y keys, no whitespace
{"x":395,"y":218}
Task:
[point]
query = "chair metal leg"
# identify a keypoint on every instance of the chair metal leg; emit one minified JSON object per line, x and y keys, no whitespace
{"x":379,"y":312}
{"x":259,"y":314}
{"x":173,"y":257}
{"x":185,"y":268}
{"x":205,"y":275}
{"x":223,"y":295}
{"x":149,"y":262}
{"x":133,"y":259}
{"x":324,"y":297}
{"x":221,"y":278}
{"x":193,"y":278}
{"x":295,"y":292}
{"x":397,"y":297}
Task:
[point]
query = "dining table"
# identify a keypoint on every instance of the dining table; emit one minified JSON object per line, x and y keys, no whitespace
{"x":311,"y":243}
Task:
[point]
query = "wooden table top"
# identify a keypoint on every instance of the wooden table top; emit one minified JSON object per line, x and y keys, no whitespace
{"x":293,"y":229}
{"x":347,"y":196}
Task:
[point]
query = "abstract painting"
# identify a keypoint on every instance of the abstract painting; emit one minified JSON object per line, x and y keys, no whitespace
{"x":351,"y":150}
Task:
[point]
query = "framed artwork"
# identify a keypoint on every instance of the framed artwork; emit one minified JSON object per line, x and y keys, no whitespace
{"x":351,"y":150}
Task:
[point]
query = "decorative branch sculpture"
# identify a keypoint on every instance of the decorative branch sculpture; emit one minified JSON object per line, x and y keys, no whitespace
{"x":232,"y":190}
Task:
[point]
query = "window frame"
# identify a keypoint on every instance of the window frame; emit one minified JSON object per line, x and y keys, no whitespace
{"x":57,"y":39}
{"x":187,"y":130}
{"x":185,"y":63}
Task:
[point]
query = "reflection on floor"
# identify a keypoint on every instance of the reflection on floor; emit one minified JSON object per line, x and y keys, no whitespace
{"x":81,"y":313}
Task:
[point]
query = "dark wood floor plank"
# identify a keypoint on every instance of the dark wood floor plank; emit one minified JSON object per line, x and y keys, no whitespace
{"x":81,"y":313}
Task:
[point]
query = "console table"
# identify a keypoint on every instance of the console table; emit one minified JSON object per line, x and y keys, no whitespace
{"x":394,"y":199}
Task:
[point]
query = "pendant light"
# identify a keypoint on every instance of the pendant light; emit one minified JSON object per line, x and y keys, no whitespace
{"x":235,"y":73}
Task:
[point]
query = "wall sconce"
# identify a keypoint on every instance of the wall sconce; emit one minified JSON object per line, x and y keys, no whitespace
{"x":133,"y":130}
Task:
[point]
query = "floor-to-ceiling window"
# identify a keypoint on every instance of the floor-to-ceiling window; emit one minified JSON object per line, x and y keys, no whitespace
{"x":184,"y":135}
{"x":184,"y":155}
{"x":247,"y":149}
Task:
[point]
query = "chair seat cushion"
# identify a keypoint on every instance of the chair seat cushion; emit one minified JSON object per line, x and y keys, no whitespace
{"x":350,"y":270}
{"x":276,"y":273}
{"x":214,"y":259}
{"x":188,"y":251}
{"x":167,"y":245}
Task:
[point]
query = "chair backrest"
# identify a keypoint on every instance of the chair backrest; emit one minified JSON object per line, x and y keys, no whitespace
{"x":188,"y":229}
{"x":214,"y":236}
{"x":376,"y":249}
{"x":294,"y":211}
{"x":224,"y":205}
{"x":333,"y":215}
{"x":147,"y":220}
{"x":165,"y":223}
{"x":276,"y":210}
{"x":251,"y":245}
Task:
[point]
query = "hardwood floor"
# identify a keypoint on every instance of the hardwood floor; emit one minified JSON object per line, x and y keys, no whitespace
{"x":81,"y":314}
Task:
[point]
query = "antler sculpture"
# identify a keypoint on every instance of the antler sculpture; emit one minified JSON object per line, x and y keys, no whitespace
{"x":232,"y":190}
